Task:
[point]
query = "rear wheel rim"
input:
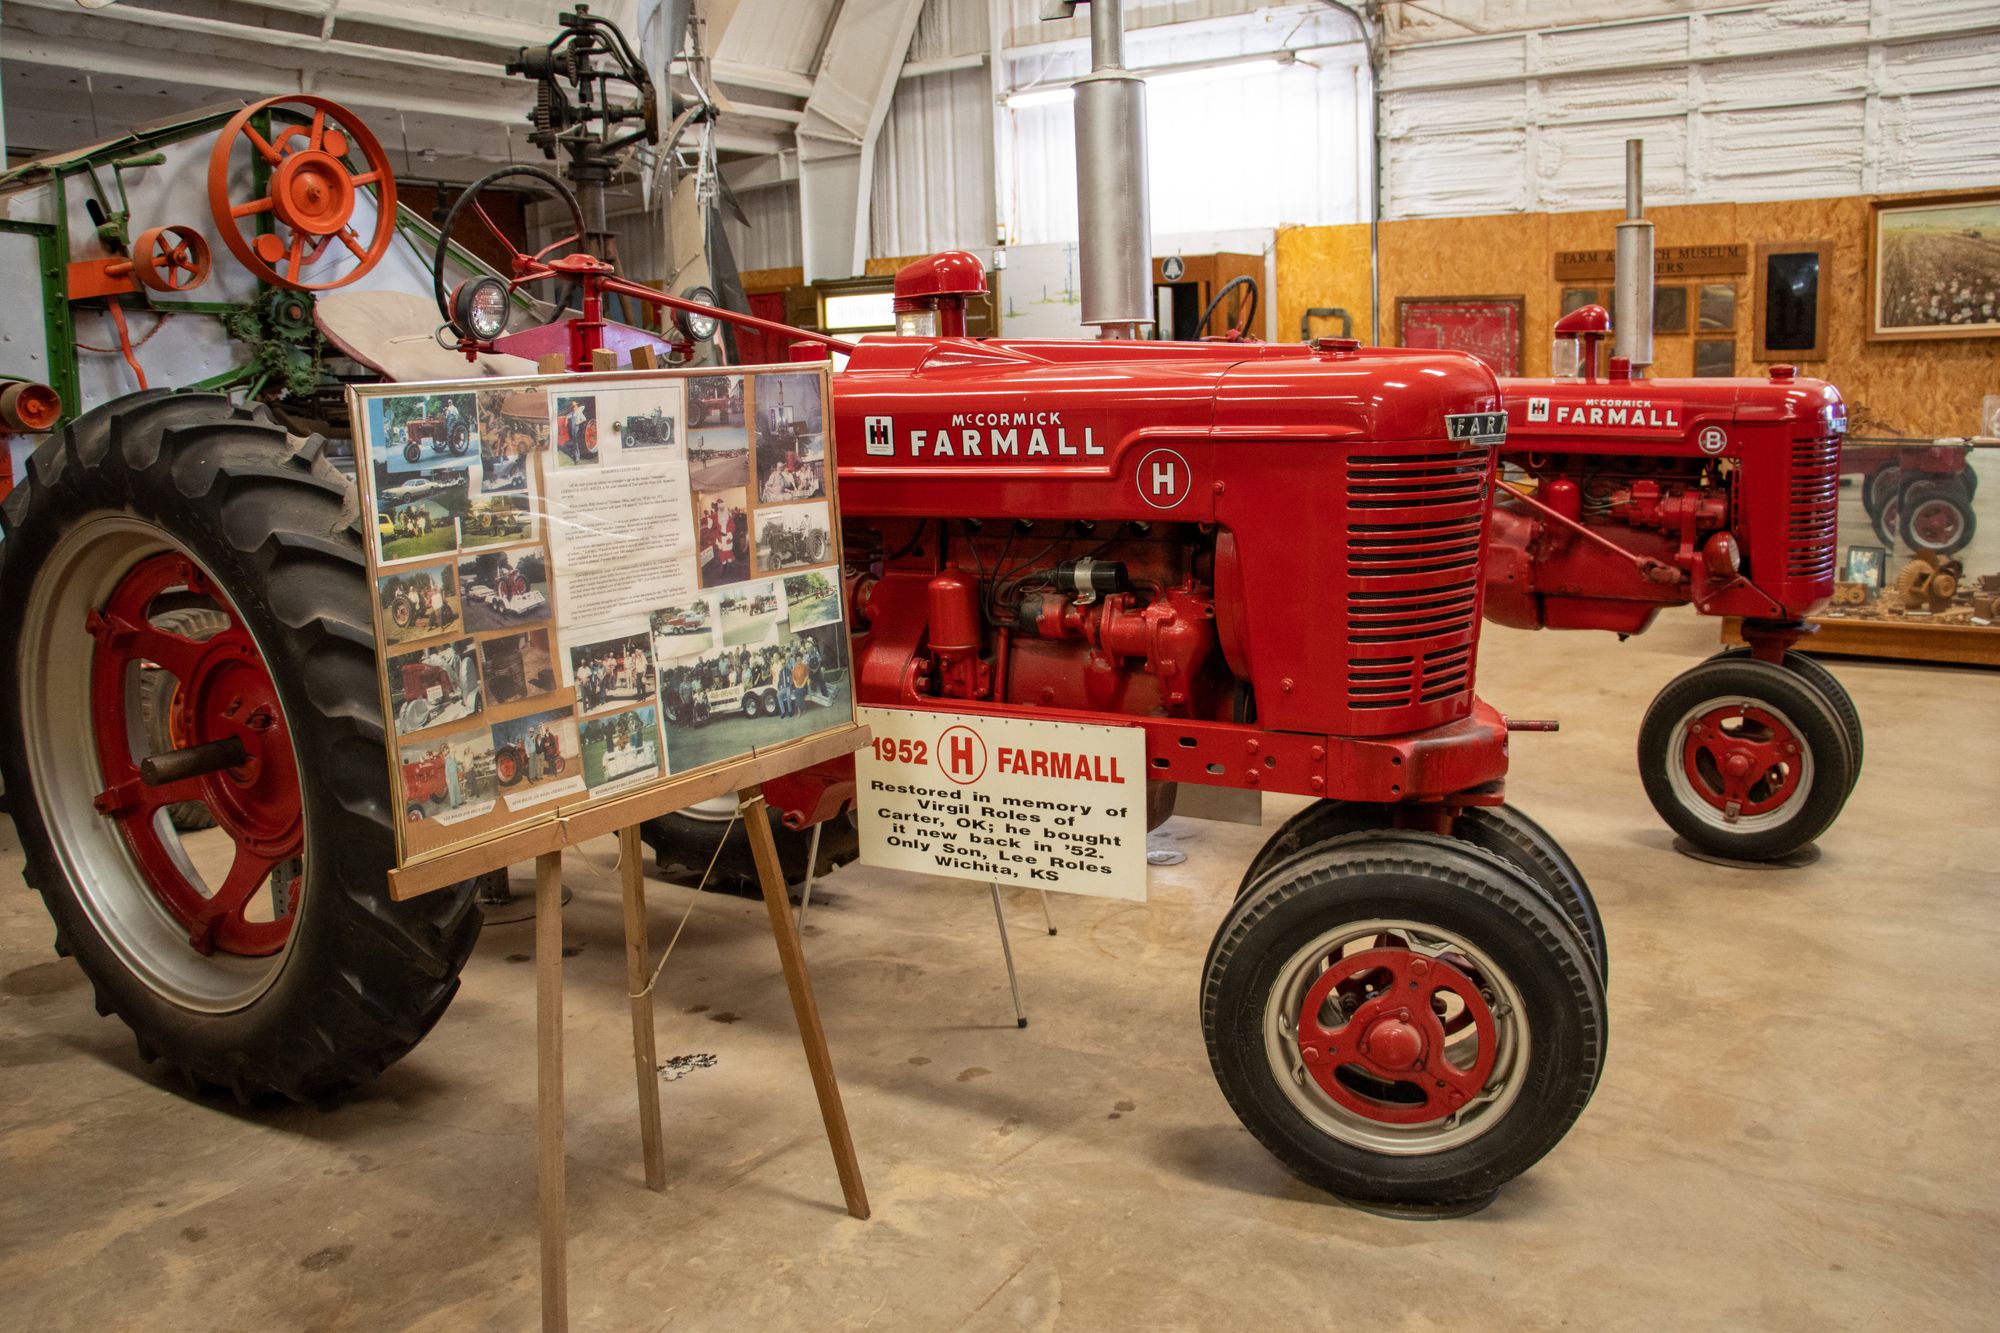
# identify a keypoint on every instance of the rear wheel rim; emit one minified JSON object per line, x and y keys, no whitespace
{"x":1438,"y":1072}
{"x":209,"y":942}
{"x":1936,"y":524}
{"x":1738,"y":764}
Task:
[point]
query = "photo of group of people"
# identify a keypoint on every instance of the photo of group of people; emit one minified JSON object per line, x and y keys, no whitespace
{"x":508,"y":690}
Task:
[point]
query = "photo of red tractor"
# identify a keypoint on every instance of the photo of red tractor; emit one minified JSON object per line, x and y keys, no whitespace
{"x":511,"y":762}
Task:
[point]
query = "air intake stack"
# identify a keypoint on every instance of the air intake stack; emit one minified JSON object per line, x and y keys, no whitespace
{"x":1115,"y":233}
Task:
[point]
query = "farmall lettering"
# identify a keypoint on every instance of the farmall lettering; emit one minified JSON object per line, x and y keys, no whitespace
{"x":983,"y":437}
{"x":1643,"y":416}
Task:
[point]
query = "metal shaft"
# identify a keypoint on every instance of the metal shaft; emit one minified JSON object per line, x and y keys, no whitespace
{"x":157,"y":770}
{"x":1007,"y":951}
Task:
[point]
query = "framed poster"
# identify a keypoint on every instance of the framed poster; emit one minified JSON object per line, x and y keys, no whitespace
{"x":1793,"y":296}
{"x":1934,"y":267}
{"x":1489,"y":327}
{"x":587,"y":585}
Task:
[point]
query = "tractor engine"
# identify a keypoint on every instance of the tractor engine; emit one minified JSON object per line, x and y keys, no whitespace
{"x":1620,"y":496}
{"x":1269,"y":556}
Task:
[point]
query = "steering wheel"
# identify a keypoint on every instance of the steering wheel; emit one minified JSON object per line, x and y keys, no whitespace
{"x":1244,"y":314}
{"x":526,"y":267}
{"x":310,"y":193}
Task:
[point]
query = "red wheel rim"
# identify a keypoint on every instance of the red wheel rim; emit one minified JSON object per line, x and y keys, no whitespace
{"x":1936,"y":524}
{"x":222,"y":690}
{"x":1384,"y":1055}
{"x":1741,"y":759}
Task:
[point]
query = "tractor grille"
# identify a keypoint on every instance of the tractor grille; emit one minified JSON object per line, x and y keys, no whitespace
{"x":1815,"y":495}
{"x":1416,"y":518}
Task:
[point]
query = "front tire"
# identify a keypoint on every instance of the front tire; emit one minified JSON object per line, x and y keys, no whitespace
{"x":1935,"y":516}
{"x":1812,"y":672}
{"x":297,"y":975}
{"x":1744,"y":759}
{"x":1402,"y":1020}
{"x":686,"y":842}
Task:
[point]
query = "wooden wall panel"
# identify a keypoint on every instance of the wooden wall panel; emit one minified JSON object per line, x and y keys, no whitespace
{"x":1896,"y":388}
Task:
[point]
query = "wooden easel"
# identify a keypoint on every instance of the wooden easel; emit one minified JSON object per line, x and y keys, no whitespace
{"x":544,"y":842}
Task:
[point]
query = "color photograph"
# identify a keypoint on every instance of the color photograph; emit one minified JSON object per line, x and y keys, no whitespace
{"x":788,"y":538}
{"x":732,"y":700}
{"x":812,"y":599}
{"x":513,"y":424}
{"x":417,"y":603}
{"x":722,"y":522}
{"x":612,"y":672}
{"x":750,"y":611}
{"x":517,"y":666}
{"x":497,"y":520}
{"x":575,"y":429}
{"x":621,"y":748}
{"x":414,"y":432}
{"x":718,"y":442}
{"x":417,"y":513}
{"x":434,"y":686}
{"x":791,"y":443}
{"x":683,"y":631}
{"x":539,"y":748}
{"x":505,"y":588}
{"x":447,"y":774}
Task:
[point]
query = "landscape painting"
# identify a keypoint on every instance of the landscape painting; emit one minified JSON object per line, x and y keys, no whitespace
{"x":1937,"y":269}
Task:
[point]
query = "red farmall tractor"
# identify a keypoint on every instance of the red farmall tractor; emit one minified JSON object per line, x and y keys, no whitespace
{"x":1622,"y":495}
{"x":1270,"y":559}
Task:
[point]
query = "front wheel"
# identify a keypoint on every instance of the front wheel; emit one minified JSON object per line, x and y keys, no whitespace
{"x":412,"y":452}
{"x":1809,"y":670}
{"x":1402,"y":1020}
{"x":686,"y":843}
{"x":1744,"y":759}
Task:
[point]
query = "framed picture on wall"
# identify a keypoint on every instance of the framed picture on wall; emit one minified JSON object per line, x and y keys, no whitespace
{"x":1489,"y":327}
{"x":1670,"y":310}
{"x":1576,"y":298}
{"x":1715,"y":357}
{"x":1934,"y":267}
{"x":1793,"y":296}
{"x":1718,"y":307}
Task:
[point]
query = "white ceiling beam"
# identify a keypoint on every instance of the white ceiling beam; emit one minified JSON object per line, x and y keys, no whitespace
{"x":864,"y":56}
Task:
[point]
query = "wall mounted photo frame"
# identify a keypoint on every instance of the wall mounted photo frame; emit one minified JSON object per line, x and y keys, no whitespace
{"x":1670,"y":310}
{"x":1576,"y":298}
{"x":1489,"y":327}
{"x":1717,"y":310}
{"x":1934,"y":267}
{"x":1715,"y":357}
{"x":1794,"y":297}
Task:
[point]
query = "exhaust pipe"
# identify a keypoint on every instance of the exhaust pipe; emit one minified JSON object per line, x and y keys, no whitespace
{"x":1115,"y":233}
{"x":1632,"y":272}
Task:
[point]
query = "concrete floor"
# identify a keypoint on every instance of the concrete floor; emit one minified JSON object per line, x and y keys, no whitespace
{"x":1790,"y":1133}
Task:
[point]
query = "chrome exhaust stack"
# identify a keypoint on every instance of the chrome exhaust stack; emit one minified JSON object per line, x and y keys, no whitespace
{"x":1114,"y":226}
{"x":1632,"y":274}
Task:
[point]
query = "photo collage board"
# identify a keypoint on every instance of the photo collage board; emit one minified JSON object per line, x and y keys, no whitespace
{"x":587,"y":584}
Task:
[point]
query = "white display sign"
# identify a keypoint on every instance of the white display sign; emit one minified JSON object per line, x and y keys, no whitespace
{"x":1053,"y":805}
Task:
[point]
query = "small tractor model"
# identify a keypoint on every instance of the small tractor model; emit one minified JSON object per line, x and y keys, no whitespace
{"x":449,"y":434}
{"x":714,"y":398}
{"x":1622,"y":495}
{"x":427,"y":689}
{"x":423,"y":785}
{"x":789,"y":543}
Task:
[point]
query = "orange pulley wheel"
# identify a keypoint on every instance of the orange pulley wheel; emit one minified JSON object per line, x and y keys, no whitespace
{"x":311,"y":193}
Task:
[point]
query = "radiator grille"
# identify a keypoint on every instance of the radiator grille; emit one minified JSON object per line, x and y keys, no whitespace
{"x":1416,"y":518}
{"x":1815,"y":496}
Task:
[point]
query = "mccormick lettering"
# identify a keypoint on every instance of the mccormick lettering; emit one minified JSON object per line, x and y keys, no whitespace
{"x":1059,"y":764}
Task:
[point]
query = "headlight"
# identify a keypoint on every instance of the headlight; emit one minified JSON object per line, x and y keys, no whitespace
{"x":479,"y":309}
{"x":698,"y":327}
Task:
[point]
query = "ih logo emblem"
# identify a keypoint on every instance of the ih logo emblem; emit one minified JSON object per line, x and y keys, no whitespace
{"x":1712,"y":440}
{"x":881,"y":436}
{"x":1164,"y":478}
{"x":1538,"y":409}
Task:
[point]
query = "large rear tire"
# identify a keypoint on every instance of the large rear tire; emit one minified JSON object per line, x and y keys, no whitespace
{"x":1403,"y":1020}
{"x":293,"y":972}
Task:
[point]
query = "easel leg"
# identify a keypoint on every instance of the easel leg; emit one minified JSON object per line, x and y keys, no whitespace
{"x":645,"y":1056}
{"x":812,"y":865}
{"x":1007,"y":951}
{"x":549,"y":1090}
{"x":1048,"y":916}
{"x":804,"y":1007}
